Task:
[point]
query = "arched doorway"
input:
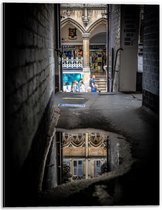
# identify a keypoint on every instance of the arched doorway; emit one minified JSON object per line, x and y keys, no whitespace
{"x":98,"y":52}
{"x":72,"y":53}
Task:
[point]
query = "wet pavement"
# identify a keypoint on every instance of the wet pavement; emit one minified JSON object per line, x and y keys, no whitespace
{"x":136,"y":183}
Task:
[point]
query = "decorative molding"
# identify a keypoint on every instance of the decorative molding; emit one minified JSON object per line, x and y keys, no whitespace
{"x":73,"y":22}
{"x":78,"y":140}
{"x":80,"y":6}
{"x":85,"y":35}
{"x":96,"y":24}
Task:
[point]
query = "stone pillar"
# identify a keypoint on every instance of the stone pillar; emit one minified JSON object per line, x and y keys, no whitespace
{"x":86,"y":161}
{"x":86,"y":68}
{"x":86,"y":49}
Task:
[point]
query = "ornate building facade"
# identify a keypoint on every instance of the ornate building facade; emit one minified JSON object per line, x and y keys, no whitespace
{"x":83,"y":39}
{"x":84,"y":153}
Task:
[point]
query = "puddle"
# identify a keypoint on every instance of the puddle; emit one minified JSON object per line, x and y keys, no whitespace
{"x":90,"y":153}
{"x":84,"y":160}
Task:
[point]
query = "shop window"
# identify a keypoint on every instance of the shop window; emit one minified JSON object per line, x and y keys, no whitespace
{"x":72,"y":51}
{"x":97,"y":58}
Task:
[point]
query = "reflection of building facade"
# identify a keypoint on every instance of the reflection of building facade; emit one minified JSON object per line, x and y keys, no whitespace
{"x":83,"y":36}
{"x":84,"y":153}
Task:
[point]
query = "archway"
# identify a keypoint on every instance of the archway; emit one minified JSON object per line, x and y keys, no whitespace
{"x":72,"y":52}
{"x":98,"y":52}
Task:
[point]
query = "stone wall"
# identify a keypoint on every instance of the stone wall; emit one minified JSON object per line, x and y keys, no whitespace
{"x":77,"y":12}
{"x":115,"y":18}
{"x":29,"y":34}
{"x":151,"y":57}
{"x":114,"y":30}
{"x":50,"y":173}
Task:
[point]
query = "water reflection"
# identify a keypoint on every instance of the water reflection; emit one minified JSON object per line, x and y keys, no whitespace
{"x":88,"y":153}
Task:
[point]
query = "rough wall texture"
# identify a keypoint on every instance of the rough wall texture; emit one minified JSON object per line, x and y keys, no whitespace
{"x":151,"y":57}
{"x":50,"y":173}
{"x":115,"y":18}
{"x":29,"y":78}
{"x":115,"y":26}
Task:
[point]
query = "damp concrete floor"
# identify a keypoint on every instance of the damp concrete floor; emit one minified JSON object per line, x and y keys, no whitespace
{"x":137,"y":184}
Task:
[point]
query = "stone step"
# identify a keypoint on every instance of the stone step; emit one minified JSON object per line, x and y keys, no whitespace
{"x":100,"y":80}
{"x":101,"y":87}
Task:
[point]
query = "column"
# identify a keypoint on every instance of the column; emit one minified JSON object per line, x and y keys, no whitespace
{"x":86,"y":68}
{"x":71,"y":168}
{"x":86,"y":161}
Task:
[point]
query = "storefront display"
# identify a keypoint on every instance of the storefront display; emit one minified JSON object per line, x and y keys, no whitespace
{"x":97,"y":58}
{"x":71,"y":51}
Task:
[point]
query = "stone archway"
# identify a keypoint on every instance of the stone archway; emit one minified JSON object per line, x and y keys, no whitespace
{"x":74,"y":23}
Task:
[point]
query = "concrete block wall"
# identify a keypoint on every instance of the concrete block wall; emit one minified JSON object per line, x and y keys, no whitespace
{"x":151,"y":57}
{"x":29,"y":33}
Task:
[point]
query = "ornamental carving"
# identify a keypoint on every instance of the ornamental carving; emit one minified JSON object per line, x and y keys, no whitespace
{"x":66,"y":139}
{"x":72,"y":33}
{"x":79,"y":140}
{"x":76,"y":140}
{"x":97,"y":139}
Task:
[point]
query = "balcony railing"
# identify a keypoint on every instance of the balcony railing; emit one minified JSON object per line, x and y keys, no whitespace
{"x":72,"y":63}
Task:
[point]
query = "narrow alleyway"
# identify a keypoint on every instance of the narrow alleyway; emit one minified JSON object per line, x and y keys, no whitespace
{"x":121,"y":113}
{"x":36,"y":110}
